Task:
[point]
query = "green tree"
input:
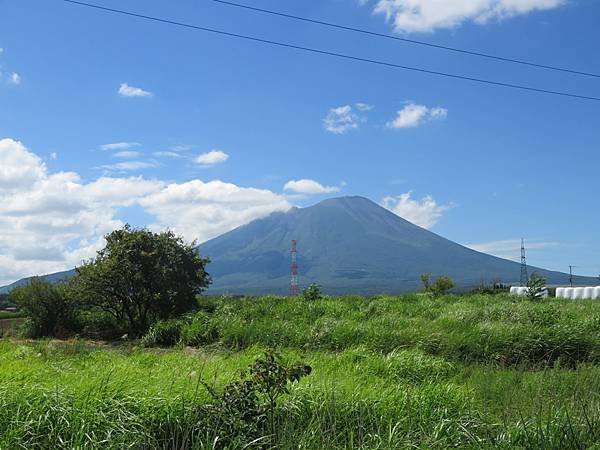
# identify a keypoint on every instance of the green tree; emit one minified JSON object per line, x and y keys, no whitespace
{"x":312,"y":292}
{"x":49,"y":310}
{"x":536,"y":287}
{"x":141,"y":277}
{"x":426,"y":280}
{"x":439,"y":287}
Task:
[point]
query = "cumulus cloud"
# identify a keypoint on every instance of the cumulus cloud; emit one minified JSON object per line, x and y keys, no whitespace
{"x":413,"y":115}
{"x":306,"y":186}
{"x":203,"y":210}
{"x":52,"y":221}
{"x":343,"y":119}
{"x":509,"y":248}
{"x":424,"y":213}
{"x":212,"y":158}
{"x":410,"y":16}
{"x":130,"y":91}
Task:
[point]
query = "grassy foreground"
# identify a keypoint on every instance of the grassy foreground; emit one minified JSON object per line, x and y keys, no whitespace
{"x":388,"y":372}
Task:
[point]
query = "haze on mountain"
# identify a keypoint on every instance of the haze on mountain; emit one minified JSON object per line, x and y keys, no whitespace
{"x":347,"y":245}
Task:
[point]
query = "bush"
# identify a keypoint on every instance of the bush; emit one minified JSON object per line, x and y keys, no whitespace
{"x":312,"y":292}
{"x":164,"y":333}
{"x":199,"y":330}
{"x":50,"y":311}
{"x":439,"y":287}
{"x":536,"y":287}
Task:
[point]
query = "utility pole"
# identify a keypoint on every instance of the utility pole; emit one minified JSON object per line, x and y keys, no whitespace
{"x":524,"y":275}
{"x":571,"y":275}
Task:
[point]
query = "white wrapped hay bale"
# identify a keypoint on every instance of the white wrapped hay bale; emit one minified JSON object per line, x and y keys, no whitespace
{"x":569,"y":293}
{"x":578,"y":293}
{"x":588,"y":293}
{"x":560,"y":292}
{"x":597,"y":293}
{"x":514,"y":290}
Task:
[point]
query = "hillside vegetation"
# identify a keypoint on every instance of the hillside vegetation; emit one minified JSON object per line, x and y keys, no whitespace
{"x":387,"y":372}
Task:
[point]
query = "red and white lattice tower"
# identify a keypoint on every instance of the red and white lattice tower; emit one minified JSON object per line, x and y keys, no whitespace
{"x":294,"y":288}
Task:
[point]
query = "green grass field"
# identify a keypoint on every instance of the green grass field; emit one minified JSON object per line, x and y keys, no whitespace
{"x":388,"y":372}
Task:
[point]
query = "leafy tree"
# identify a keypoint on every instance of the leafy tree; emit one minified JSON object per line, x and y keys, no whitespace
{"x":49,"y":310}
{"x":426,"y":280}
{"x":536,"y":287}
{"x":141,"y":277}
{"x":439,"y":287}
{"x":312,"y":292}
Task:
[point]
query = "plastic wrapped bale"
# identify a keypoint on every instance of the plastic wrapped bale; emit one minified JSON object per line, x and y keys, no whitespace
{"x":569,"y":293}
{"x":523,"y":291}
{"x":597,"y":293}
{"x":588,"y":293}
{"x":578,"y":293}
{"x":514,"y":290}
{"x":560,"y":292}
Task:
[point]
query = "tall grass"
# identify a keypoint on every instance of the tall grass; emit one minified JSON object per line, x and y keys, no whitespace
{"x":388,"y":372}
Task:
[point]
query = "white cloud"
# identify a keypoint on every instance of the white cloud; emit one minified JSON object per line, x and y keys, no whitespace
{"x":129,"y":91}
{"x":126,"y":154}
{"x":509,"y":248}
{"x":119,"y":146}
{"x":128,"y":166}
{"x":212,"y":158}
{"x":424,"y":213}
{"x":309,"y":187}
{"x":14,"y":78}
{"x":342,"y":119}
{"x":52,"y":221}
{"x":168,"y":154}
{"x":413,"y":115}
{"x":410,"y":16}
{"x":53,"y":155}
{"x":203,"y":210}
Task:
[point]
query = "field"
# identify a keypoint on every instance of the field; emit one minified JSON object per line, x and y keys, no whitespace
{"x":387,"y":372}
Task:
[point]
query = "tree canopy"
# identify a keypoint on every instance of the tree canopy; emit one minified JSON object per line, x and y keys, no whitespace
{"x":141,"y":277}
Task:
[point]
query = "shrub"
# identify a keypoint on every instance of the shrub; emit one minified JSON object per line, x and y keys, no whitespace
{"x":536,"y":287}
{"x":312,"y":292}
{"x":439,"y":287}
{"x":199,"y":330}
{"x":164,"y":333}
{"x":50,"y":311}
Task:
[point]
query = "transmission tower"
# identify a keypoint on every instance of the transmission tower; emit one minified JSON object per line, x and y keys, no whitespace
{"x":294,"y":288}
{"x":524,"y":275}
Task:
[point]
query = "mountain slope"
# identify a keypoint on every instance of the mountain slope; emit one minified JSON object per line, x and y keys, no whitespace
{"x":347,"y":244}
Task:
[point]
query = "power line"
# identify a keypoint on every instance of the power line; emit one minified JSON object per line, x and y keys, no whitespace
{"x":410,"y":41}
{"x":329,"y":53}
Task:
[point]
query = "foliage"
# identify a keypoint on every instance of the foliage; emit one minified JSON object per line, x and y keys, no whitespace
{"x":312,"y":293}
{"x":6,"y":302}
{"x":199,"y":330}
{"x":244,"y":406}
{"x":141,"y":277}
{"x":536,"y":287}
{"x":426,"y":281}
{"x":49,"y":310}
{"x":163,"y":333}
{"x":439,"y":287}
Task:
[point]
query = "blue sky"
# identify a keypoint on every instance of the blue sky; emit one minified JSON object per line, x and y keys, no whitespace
{"x":213,"y":131}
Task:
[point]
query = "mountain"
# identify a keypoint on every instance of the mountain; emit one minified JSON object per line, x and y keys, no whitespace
{"x":347,"y":245}
{"x":53,"y":278}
